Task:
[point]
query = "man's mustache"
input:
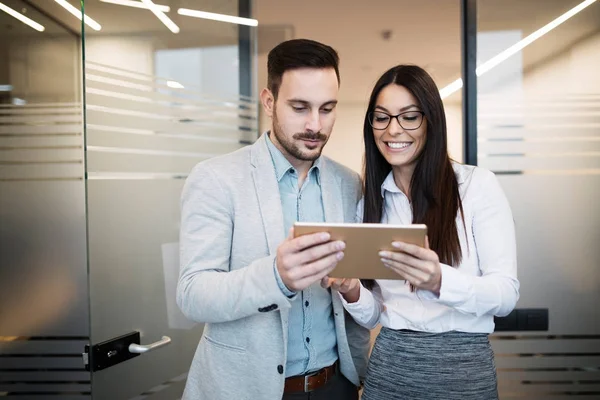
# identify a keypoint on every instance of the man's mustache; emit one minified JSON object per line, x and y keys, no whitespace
{"x":310,"y":136}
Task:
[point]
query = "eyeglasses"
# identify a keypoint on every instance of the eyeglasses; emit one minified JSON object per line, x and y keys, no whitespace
{"x":409,"y":120}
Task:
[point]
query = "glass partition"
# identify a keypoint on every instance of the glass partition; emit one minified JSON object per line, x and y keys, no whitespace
{"x":163,"y":91}
{"x":539,"y":131}
{"x":44,"y":321}
{"x":100,"y":123}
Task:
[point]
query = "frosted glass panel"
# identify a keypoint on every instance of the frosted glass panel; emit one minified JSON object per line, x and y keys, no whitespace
{"x":539,"y":131}
{"x":140,"y":126}
{"x":157,"y":103}
{"x":44,"y":308}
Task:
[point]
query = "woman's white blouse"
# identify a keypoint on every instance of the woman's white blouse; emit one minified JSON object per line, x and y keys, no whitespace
{"x":485,"y":284}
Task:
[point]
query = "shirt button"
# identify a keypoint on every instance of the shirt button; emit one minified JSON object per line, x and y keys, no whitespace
{"x":280,"y":369}
{"x":307,"y":340}
{"x":306,"y":303}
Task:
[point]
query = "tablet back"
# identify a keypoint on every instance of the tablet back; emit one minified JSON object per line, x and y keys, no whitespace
{"x":363,"y":243}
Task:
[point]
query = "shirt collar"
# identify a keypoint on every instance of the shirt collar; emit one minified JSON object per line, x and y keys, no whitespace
{"x":282,"y":165}
{"x":459,"y":172}
{"x":389,"y":185}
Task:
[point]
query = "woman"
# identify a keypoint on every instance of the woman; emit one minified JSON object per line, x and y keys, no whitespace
{"x":436,"y":318}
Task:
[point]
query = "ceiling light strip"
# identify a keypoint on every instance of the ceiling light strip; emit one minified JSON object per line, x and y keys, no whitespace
{"x":22,"y":18}
{"x":136,"y":4}
{"x":217,"y":17}
{"x":77,"y":13}
{"x":161,"y":16}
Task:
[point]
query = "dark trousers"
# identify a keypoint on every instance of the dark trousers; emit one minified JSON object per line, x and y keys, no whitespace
{"x":338,"y":388}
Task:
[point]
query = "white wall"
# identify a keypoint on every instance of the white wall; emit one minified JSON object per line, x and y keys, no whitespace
{"x":43,"y":69}
{"x":130,"y":53}
{"x":211,"y":70}
{"x":454,"y":125}
{"x":346,"y":143}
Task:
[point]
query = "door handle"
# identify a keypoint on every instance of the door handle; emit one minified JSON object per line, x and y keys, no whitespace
{"x":97,"y":357}
{"x":140,"y":349}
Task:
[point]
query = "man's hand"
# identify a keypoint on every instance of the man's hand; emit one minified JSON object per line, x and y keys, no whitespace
{"x":305,"y":260}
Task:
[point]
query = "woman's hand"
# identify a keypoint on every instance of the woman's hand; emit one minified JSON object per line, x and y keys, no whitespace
{"x":348,"y":288}
{"x":420,"y":266}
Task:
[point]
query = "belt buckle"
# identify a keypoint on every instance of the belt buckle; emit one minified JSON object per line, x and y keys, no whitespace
{"x":306,"y":380}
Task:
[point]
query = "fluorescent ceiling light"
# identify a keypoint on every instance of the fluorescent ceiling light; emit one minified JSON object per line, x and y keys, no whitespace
{"x":515,"y":48}
{"x":22,"y":18}
{"x":217,"y":17}
{"x":136,"y":4}
{"x":451,"y":88}
{"x":5,"y":88}
{"x":174,"y":85}
{"x":161,"y":16}
{"x":77,"y":13}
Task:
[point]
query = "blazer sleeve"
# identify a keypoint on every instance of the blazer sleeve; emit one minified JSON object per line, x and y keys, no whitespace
{"x":208,"y":290}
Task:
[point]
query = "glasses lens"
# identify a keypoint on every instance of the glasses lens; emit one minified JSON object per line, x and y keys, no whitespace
{"x":379,"y":120}
{"x":411,"y":120}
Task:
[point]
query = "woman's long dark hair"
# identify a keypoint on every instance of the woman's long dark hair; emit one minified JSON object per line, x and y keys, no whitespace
{"x":433,"y":187}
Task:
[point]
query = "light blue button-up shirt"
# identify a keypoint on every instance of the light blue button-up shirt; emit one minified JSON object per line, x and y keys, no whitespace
{"x":312,"y":342}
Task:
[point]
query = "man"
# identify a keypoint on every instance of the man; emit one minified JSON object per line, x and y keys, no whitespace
{"x":271,"y":330}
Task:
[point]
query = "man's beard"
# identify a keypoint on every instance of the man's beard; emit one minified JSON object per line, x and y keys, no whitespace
{"x":292,"y":148}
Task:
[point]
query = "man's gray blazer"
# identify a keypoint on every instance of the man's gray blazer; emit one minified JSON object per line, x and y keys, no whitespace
{"x":231,"y":227}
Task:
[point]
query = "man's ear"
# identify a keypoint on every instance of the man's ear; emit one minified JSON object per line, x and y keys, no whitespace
{"x":268,"y":101}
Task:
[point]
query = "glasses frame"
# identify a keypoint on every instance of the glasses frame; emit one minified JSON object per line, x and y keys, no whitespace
{"x":370,"y":117}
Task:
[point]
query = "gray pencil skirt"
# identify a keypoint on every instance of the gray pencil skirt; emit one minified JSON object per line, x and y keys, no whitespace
{"x":418,"y":365}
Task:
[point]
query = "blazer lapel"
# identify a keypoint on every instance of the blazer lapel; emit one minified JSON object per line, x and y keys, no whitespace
{"x":267,"y":191}
{"x":332,"y":194}
{"x":269,"y":202}
{"x":334,"y":212}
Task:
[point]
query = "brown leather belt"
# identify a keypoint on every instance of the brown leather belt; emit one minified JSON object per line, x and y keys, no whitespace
{"x":309,"y":382}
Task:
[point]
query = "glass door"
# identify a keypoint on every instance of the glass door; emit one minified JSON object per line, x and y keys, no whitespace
{"x":43,"y":278}
{"x":163,"y":91}
{"x":539,"y":131}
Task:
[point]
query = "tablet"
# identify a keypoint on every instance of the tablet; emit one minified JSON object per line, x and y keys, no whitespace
{"x":363,"y":244}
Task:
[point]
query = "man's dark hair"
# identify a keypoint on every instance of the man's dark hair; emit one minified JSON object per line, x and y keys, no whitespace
{"x":299,"y":53}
